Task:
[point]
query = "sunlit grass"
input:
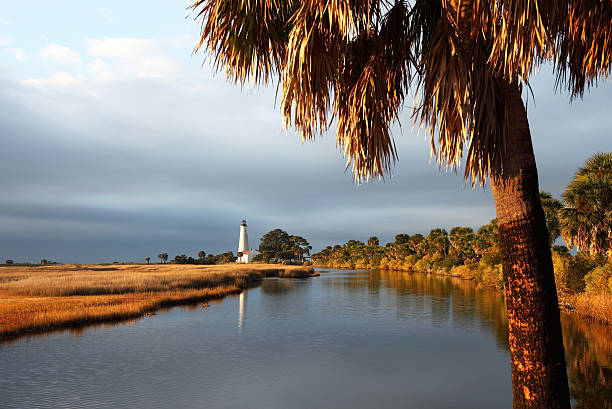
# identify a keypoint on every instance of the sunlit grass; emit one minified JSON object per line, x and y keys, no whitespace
{"x":35,"y":299}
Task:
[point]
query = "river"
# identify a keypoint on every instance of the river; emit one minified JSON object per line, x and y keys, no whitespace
{"x":346,"y":339}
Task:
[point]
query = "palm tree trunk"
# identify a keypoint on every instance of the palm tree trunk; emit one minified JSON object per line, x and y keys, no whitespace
{"x":539,"y":377}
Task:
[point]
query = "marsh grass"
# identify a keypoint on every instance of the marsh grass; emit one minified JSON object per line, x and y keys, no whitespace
{"x":38,"y":299}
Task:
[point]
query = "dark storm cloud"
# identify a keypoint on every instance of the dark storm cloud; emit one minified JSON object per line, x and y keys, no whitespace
{"x":130,"y":168}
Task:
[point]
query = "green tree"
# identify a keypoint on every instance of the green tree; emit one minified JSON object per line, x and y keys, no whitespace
{"x":299,"y":247}
{"x":147,"y":259}
{"x":467,"y":61}
{"x":437,"y":242}
{"x":402,"y":238}
{"x":8,"y":262}
{"x":551,"y":208}
{"x":373,"y":241}
{"x":201,"y":254}
{"x":586,"y":218}
{"x":163,"y":257}
{"x":461,"y":239}
{"x":279,"y":245}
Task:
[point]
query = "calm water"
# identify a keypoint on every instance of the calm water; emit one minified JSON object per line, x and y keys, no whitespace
{"x":345,"y":339}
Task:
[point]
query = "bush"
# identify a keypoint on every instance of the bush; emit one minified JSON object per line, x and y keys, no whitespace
{"x":570,"y":271}
{"x":451,"y":261}
{"x":599,"y":280}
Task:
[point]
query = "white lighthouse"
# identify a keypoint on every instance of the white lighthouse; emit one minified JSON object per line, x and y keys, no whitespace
{"x":243,"y":245}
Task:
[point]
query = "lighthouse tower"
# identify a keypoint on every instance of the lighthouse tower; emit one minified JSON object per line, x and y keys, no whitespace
{"x":243,"y":245}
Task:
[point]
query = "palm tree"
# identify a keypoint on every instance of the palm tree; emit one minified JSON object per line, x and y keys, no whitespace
{"x":551,"y":208}
{"x":586,"y":219}
{"x":354,"y":62}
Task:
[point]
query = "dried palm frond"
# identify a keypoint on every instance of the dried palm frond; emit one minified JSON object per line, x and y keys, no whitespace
{"x":370,"y":93}
{"x":354,"y":60}
{"x":313,"y":56}
{"x":246,"y":37}
{"x":584,"y":45}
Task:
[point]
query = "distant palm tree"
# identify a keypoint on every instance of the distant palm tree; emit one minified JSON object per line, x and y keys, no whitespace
{"x":551,"y":208}
{"x":586,"y":219}
{"x":354,"y":62}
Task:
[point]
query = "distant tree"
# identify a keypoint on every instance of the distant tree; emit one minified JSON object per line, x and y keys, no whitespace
{"x":461,"y":239}
{"x":437,"y":241}
{"x":373,"y":241}
{"x":147,"y":259}
{"x":402,"y":238}
{"x":227,"y":257}
{"x":163,"y":257}
{"x":551,"y":208}
{"x":201,"y":254}
{"x":487,"y":238}
{"x":586,"y":219}
{"x":279,"y":245}
{"x":299,"y":247}
{"x":43,"y":262}
{"x":276,"y":245}
{"x":9,"y":261}
{"x":417,"y":244}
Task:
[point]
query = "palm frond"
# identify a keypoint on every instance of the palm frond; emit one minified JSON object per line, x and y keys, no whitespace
{"x":246,"y":37}
{"x":584,"y":45}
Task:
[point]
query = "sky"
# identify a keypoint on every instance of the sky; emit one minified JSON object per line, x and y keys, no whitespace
{"x":118,"y":143}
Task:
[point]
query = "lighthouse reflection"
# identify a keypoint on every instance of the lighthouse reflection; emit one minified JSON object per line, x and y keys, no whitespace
{"x":242,"y":310}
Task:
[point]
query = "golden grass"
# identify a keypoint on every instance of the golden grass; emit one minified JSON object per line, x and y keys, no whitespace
{"x":37,"y":299}
{"x":597,"y":306}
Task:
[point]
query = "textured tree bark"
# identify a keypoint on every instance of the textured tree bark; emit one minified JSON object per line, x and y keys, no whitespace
{"x":539,"y":377}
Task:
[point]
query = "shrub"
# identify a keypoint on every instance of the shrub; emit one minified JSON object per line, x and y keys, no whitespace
{"x":599,"y":279}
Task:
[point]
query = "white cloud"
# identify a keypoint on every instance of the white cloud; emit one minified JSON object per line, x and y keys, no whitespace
{"x":139,"y":57}
{"x":19,"y":54}
{"x":5,"y":40}
{"x":61,"y":54}
{"x":57,"y":80}
{"x":97,"y":66}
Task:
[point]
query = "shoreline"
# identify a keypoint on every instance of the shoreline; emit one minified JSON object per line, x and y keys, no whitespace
{"x":28,"y":308}
{"x":576,"y":304}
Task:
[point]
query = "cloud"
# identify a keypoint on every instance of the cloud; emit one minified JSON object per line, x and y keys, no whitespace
{"x":56,"y":80}
{"x":141,"y":57}
{"x":61,"y":54}
{"x":19,"y":54}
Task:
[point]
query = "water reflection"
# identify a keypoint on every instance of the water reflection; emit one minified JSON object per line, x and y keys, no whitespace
{"x":588,"y":351}
{"x":436,"y":299}
{"x":242,"y":310}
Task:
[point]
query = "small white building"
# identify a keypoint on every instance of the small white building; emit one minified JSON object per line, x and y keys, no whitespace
{"x":243,"y":246}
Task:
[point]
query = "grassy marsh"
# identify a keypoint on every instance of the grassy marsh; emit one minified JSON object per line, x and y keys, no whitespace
{"x":45,"y":298}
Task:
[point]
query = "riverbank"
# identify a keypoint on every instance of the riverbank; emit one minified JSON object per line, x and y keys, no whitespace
{"x":592,"y":306}
{"x":47,"y":298}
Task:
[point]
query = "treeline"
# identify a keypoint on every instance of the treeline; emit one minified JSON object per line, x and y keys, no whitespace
{"x":583,"y":219}
{"x":202,"y":258}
